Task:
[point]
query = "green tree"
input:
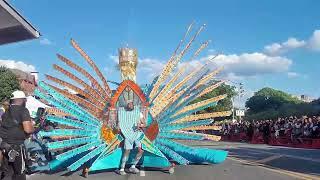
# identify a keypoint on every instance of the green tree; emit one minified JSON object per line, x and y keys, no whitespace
{"x":269,"y":103}
{"x":8,"y":83}
{"x":268,"y":98}
{"x":224,"y":104}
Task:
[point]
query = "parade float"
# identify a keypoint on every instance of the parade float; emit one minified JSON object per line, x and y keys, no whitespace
{"x":91,"y":126}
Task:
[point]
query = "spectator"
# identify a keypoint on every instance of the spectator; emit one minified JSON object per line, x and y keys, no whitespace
{"x":14,"y":130}
{"x":292,"y":127}
{"x":250,"y":131}
{"x":266,"y":132}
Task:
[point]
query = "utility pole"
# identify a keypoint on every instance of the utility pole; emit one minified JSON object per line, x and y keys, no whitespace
{"x":240,"y":93}
{"x":232,"y":100}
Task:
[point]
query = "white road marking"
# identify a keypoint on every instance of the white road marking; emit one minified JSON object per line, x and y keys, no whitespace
{"x":277,"y":170}
{"x":286,"y":155}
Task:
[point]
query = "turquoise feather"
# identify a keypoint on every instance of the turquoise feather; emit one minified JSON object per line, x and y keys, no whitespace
{"x":151,"y":86}
{"x":171,"y":127}
{"x":176,"y":146}
{"x":76,"y":151}
{"x":69,"y":122}
{"x":87,"y":157}
{"x":176,"y":135}
{"x":157,"y":94}
{"x":173,"y":155}
{"x":150,"y":147}
{"x":107,"y":151}
{"x":67,"y":132}
{"x":68,"y":103}
{"x":196,"y":155}
{"x":70,"y":143}
{"x":63,"y":107}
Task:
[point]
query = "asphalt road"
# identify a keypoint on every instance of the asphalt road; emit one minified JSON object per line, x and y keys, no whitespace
{"x":245,"y":161}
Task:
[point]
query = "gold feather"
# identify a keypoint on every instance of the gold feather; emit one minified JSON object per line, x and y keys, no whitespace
{"x":85,"y":73}
{"x":79,"y":81}
{"x":203,"y":116}
{"x":171,"y":64}
{"x":206,"y":136}
{"x":96,"y":111}
{"x":208,"y":77}
{"x":74,"y":88}
{"x":213,"y":137}
{"x":216,"y":128}
{"x":160,"y":97}
{"x":210,"y":88}
{"x":93,"y":65}
{"x":164,"y":91}
{"x":56,"y":112}
{"x":200,"y":104}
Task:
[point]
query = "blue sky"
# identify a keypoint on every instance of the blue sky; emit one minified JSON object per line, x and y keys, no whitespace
{"x":262,"y":43}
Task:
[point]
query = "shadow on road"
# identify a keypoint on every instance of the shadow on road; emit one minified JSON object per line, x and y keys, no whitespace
{"x":296,"y":160}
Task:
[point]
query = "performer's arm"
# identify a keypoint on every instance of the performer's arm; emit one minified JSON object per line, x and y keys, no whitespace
{"x":27,"y":122}
{"x":142,"y":122}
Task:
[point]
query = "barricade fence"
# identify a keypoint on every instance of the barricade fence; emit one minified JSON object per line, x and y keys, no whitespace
{"x":287,"y":141}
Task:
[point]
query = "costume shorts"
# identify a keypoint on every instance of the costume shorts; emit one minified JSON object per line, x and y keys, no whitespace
{"x":128,"y":145}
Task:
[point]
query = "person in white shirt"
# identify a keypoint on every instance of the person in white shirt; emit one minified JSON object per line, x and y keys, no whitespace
{"x":135,"y":128}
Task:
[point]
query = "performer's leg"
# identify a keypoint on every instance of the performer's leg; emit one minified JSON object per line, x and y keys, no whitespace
{"x":127,"y":147}
{"x":137,"y":158}
{"x":125,"y":158}
{"x":85,"y":172}
{"x":19,"y":164}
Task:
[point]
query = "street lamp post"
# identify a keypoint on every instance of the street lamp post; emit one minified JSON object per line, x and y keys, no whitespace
{"x":239,"y":91}
{"x":232,"y":100}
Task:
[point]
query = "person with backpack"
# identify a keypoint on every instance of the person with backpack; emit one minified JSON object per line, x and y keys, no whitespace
{"x":16,"y":126}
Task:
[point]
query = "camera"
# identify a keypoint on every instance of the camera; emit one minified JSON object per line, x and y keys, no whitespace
{"x":8,"y":149}
{"x":12,"y":154}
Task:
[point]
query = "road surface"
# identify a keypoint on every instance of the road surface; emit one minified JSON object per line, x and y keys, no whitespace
{"x":245,"y":161}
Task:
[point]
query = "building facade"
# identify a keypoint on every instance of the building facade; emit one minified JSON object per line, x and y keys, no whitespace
{"x":28,"y":81}
{"x":304,"y":98}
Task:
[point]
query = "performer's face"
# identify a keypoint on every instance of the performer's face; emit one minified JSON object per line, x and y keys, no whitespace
{"x":130,"y":106}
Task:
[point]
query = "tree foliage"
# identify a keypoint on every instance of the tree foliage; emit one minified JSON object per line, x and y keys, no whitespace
{"x":268,"y":98}
{"x":8,"y":83}
{"x":269,"y":103}
{"x":224,"y":104}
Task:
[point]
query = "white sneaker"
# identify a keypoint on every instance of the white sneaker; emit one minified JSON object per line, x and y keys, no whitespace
{"x":134,"y":170}
{"x":122,"y":172}
{"x":142,"y":173}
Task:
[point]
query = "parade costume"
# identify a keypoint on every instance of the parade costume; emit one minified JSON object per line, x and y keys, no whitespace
{"x":101,"y":128}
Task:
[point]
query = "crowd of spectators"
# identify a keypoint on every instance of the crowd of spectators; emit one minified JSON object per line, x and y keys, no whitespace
{"x":293,"y":128}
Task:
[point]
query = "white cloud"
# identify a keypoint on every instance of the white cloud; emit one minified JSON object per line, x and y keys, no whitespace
{"x":45,"y":41}
{"x":276,"y":48}
{"x":115,"y":59}
{"x":293,"y":74}
{"x":250,"y":64}
{"x":12,"y":64}
{"x":150,"y":67}
{"x":240,"y":101}
{"x":293,"y":43}
{"x":314,"y":41}
{"x":236,"y":67}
